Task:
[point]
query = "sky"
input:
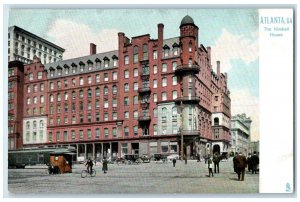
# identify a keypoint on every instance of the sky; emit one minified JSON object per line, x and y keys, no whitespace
{"x":231,"y":33}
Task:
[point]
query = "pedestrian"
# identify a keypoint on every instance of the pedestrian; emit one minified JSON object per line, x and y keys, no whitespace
{"x":104,"y":165}
{"x":249,"y":162}
{"x":240,"y":164}
{"x":209,"y":161}
{"x":255,"y":162}
{"x":174,"y":162}
{"x":234,"y":162}
{"x":216,"y":160}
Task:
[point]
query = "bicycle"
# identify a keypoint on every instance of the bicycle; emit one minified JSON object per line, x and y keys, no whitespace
{"x":85,"y":172}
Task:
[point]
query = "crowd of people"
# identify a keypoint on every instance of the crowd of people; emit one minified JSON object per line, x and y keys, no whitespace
{"x":240,"y":163}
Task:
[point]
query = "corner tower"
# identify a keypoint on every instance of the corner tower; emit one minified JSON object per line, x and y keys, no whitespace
{"x":188,"y":101}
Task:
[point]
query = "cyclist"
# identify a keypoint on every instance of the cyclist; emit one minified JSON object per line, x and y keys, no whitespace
{"x":89,"y":164}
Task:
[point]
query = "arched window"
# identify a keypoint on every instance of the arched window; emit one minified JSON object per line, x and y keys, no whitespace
{"x":34,"y":124}
{"x":27,"y":125}
{"x":145,"y":52}
{"x":135,"y":54}
{"x":51,"y":98}
{"x":97,"y":91}
{"x":105,"y":90}
{"x":216,"y":121}
{"x":41,"y":124}
{"x":58,"y":97}
{"x":89,"y":93}
{"x":114,"y":89}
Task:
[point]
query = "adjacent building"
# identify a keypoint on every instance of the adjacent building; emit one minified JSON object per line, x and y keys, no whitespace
{"x":240,"y":131}
{"x":23,"y":46}
{"x":149,"y":96}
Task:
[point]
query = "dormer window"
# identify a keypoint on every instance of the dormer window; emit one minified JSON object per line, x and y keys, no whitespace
{"x":51,"y":71}
{"x":106,"y":62}
{"x":81,"y":66}
{"x":135,"y":54}
{"x":115,"y":60}
{"x":90,"y":65}
{"x":66,"y":69}
{"x":98,"y":63}
{"x":74,"y":68}
{"x":59,"y":70}
{"x":166,"y":50}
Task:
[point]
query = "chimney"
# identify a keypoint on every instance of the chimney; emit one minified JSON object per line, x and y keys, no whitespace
{"x":92,"y":49}
{"x":208,"y":53}
{"x":160,"y":34}
{"x":218,"y":68}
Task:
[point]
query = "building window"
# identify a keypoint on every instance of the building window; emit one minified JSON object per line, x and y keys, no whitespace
{"x":73,"y":119}
{"x":126,"y":74}
{"x":66,"y":96}
{"x":74,"y":69}
{"x":66,"y":70}
{"x":154,"y":55}
{"x":28,"y":101}
{"x":190,"y":62}
{"x":190,"y":47}
{"x":66,"y":120}
{"x":154,"y":129}
{"x":89,"y":80}
{"x":135,"y":115}
{"x":81,"y":120}
{"x":135,"y":86}
{"x":164,"y":67}
{"x":115,"y":76}
{"x":105,"y":116}
{"x":73,"y":135}
{"x":40,"y":75}
{"x":145,"y":52}
{"x":154,"y":97}
{"x":126,"y":131}
{"x":114,"y":89}
{"x":81,"y":134}
{"x":57,"y":136}
{"x":58,"y":97}
{"x":106,"y":132}
{"x":154,"y":83}
{"x":42,"y":87}
{"x":58,"y":84}
{"x":50,"y":137}
{"x":135,"y":72}
{"x":155,"y":112}
{"x":30,"y":75}
{"x":135,"y":54}
{"x":174,"y":80}
{"x":106,"y":62}
{"x":126,"y":87}
{"x":135,"y":130}
{"x":81,"y":66}
{"x":114,"y":102}
{"x":80,"y":94}
{"x":174,"y":94}
{"x":42,"y":99}
{"x":105,"y":90}
{"x":135,"y":99}
{"x":126,"y":115}
{"x":115,"y":117}
{"x":105,"y":76}
{"x":51,"y":98}
{"x":73,"y":95}
{"x":114,"y":132}
{"x":97,"y":116}
{"x":81,"y":81}
{"x":66,"y":83}
{"x":97,"y":92}
{"x":89,"y":93}
{"x":175,"y":51}
{"x":81,"y":106}
{"x":97,"y":133}
{"x":126,"y":59}
{"x":90,"y":65}
{"x":89,"y":134}
{"x":155,"y":69}
{"x":126,"y":101}
{"x":105,"y":104}
{"x":164,"y":96}
{"x":174,"y":65}
{"x":98,"y":78}
{"x":164,"y":82}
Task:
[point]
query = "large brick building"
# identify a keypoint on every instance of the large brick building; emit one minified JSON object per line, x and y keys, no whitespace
{"x":143,"y":98}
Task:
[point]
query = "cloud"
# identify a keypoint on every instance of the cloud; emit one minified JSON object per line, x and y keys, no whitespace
{"x":243,"y":102}
{"x":230,"y":47}
{"x":75,"y":38}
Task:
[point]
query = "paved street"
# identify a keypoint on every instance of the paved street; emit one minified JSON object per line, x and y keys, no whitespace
{"x":146,"y":178}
